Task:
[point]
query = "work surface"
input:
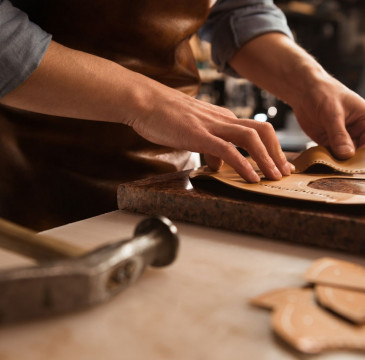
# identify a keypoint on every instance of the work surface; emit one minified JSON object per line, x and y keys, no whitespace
{"x":197,"y":308}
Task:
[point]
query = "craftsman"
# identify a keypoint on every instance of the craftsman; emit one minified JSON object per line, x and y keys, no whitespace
{"x":83,"y":111}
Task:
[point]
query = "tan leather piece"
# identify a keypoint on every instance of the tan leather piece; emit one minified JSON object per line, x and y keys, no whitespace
{"x":339,"y":286}
{"x":338,"y":273}
{"x":320,"y":155}
{"x":298,"y":319}
{"x":296,"y":186}
{"x":275,"y":298}
{"x":348,"y":303}
{"x":301,"y":316}
{"x":311,"y":329}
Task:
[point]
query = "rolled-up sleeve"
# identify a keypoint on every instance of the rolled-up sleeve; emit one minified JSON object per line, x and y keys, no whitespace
{"x":22,"y":46}
{"x":232,"y":23}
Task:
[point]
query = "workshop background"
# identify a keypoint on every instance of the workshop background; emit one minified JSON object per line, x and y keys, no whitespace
{"x":333,"y":31}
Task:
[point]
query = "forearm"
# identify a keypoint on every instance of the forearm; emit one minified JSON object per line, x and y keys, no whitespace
{"x":330,"y":113}
{"x":74,"y":84}
{"x":275,"y":63}
{"x":78,"y":85}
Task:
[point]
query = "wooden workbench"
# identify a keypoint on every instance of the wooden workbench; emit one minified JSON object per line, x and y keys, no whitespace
{"x":195,"y":309}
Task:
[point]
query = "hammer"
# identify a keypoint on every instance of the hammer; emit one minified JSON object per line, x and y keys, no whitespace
{"x":69,"y":278}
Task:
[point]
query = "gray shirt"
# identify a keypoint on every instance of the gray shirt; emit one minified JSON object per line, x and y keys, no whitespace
{"x":230,"y":24}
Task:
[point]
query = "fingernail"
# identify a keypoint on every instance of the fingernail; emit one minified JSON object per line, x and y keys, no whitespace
{"x":287,"y":169}
{"x":277,"y":172}
{"x":292,"y":167}
{"x":254,"y":177}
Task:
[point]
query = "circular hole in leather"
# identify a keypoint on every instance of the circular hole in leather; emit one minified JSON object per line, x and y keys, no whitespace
{"x":349,"y":186}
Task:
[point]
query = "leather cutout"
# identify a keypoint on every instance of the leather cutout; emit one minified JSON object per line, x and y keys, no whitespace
{"x":348,"y":303}
{"x":337,"y":273}
{"x":301,"y":316}
{"x":275,"y":298}
{"x":340,"y":286}
{"x":296,"y":186}
{"x":320,"y":155}
{"x":309,"y":328}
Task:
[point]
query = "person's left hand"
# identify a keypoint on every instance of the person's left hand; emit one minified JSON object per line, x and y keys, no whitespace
{"x":333,"y":116}
{"x":330,"y":113}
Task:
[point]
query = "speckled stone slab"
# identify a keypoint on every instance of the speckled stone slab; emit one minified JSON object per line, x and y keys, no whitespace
{"x":217,"y":205}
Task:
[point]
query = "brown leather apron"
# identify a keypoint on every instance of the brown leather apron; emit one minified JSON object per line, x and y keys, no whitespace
{"x":57,"y":170}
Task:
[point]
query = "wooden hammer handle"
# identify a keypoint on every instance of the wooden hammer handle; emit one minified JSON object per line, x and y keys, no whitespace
{"x":28,"y":243}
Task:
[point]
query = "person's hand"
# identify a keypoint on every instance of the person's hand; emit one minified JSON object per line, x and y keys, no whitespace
{"x":333,"y":116}
{"x":177,"y":120}
{"x":74,"y":84}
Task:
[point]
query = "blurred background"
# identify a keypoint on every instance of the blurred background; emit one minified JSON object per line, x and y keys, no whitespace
{"x":333,"y":31}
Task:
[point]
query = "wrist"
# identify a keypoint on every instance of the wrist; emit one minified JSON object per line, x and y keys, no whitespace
{"x":275,"y":63}
{"x":306,"y":82}
{"x":312,"y":87}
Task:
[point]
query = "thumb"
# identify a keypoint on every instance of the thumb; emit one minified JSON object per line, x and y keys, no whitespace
{"x":339,"y":139}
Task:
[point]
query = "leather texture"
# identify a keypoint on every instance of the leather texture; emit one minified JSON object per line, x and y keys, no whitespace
{"x":57,"y":170}
{"x":297,"y":186}
{"x":333,"y":303}
{"x":319,"y":155}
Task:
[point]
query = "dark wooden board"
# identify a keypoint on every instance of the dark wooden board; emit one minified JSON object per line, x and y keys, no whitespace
{"x":213,"y":204}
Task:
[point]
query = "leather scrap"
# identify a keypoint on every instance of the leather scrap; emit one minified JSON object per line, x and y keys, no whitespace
{"x":348,"y":303}
{"x":338,"y":273}
{"x":320,"y":155}
{"x":315,"y":319}
{"x":311,"y":329}
{"x":275,"y":298}
{"x":306,"y":326}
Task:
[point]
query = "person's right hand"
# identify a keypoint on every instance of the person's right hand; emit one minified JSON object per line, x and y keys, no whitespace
{"x":177,"y":120}
{"x":75,"y":84}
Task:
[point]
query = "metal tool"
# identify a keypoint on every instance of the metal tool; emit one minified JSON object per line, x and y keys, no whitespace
{"x":73,"y":279}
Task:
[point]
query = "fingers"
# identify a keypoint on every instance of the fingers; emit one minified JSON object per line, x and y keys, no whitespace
{"x":268,"y":137}
{"x":221,"y":149}
{"x":342,"y":123}
{"x":339,"y":139}
{"x":249,"y":139}
{"x":212,"y":130}
{"x":357,"y":130}
{"x":271,"y":142}
{"x":261,"y":142}
{"x":258,"y":139}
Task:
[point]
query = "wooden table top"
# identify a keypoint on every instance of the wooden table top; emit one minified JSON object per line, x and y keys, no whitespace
{"x":197,"y":308}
